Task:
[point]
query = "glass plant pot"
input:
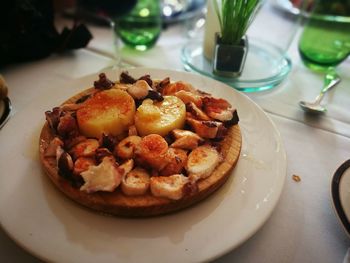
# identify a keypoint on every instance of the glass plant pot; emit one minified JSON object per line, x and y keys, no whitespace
{"x":229,"y":60}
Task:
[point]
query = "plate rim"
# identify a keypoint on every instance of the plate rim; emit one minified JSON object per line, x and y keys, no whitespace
{"x":335,"y":192}
{"x":281,"y":179}
{"x":7,"y":112}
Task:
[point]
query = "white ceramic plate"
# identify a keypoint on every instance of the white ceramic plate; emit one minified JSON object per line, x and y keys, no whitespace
{"x":52,"y":227}
{"x":341,"y":194}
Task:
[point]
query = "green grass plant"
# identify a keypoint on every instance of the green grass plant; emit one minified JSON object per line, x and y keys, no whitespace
{"x":235,"y":17}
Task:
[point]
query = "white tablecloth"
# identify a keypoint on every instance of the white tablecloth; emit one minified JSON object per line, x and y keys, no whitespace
{"x":303,"y":227}
{"x":282,"y":100}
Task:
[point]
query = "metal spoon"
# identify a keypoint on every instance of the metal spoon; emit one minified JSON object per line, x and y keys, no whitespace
{"x":330,"y":80}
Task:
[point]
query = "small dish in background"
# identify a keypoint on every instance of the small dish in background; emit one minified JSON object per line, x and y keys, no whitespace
{"x":295,"y":7}
{"x":193,"y":8}
{"x":340,"y":188}
{"x":286,"y":6}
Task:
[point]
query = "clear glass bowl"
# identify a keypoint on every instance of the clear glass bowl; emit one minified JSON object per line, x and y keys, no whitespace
{"x":266,"y":65}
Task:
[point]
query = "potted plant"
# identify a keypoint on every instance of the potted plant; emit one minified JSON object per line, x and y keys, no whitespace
{"x":231,"y":46}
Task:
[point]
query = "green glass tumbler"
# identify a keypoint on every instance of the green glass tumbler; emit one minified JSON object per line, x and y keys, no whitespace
{"x":141,"y":27}
{"x":325,"y":41}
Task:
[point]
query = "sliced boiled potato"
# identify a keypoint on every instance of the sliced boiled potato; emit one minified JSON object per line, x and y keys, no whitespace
{"x":110,"y":112}
{"x":160,"y":117}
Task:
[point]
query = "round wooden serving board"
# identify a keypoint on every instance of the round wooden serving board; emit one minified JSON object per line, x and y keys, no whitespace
{"x":117,"y":203}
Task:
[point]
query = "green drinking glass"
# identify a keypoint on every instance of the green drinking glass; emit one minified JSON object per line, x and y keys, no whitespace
{"x":325,"y":41}
{"x":140,"y":28}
